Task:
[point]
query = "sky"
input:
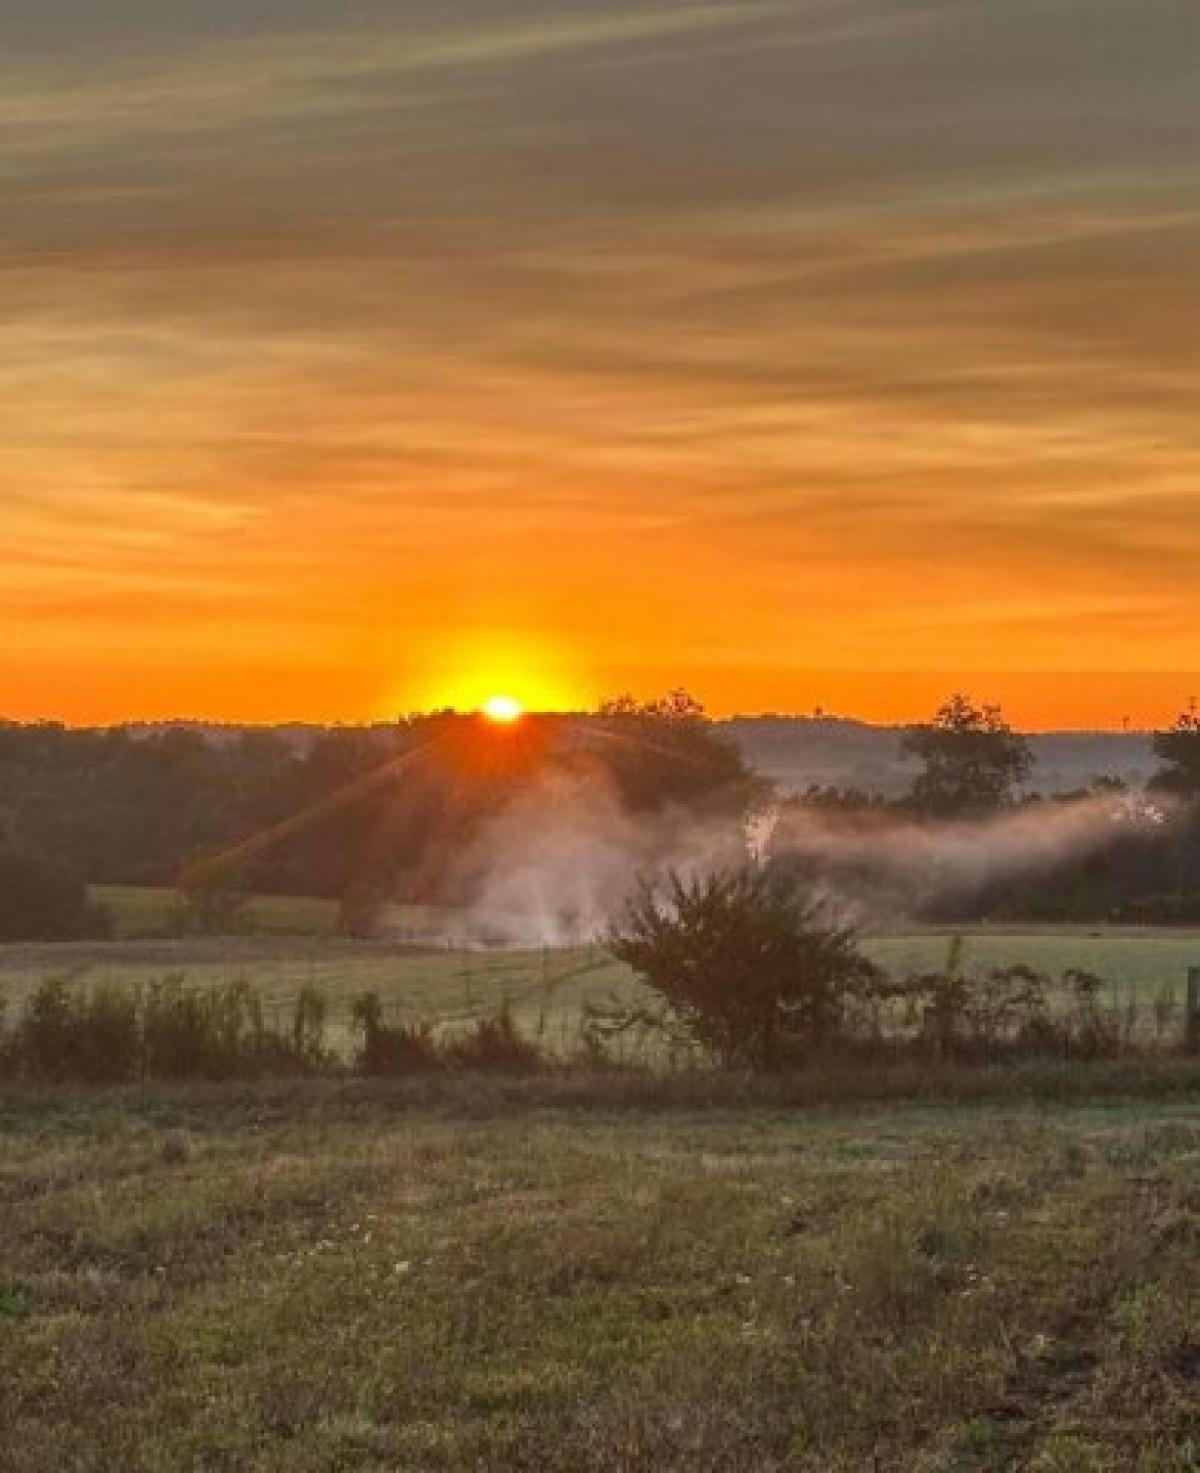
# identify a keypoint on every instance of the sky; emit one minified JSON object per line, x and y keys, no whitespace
{"x":358,"y":356}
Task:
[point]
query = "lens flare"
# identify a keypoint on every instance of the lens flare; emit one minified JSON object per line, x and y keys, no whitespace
{"x":505,"y":709}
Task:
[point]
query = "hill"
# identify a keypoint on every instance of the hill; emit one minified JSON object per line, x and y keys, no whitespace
{"x":831,"y":751}
{"x":796,"y":751}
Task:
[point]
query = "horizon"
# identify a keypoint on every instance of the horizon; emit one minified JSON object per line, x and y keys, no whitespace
{"x":818,"y":715}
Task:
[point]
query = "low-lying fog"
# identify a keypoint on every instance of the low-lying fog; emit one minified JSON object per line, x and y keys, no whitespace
{"x":555,"y":867}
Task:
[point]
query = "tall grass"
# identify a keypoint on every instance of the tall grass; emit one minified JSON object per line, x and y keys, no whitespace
{"x":70,"y":1030}
{"x":107,"y":1034}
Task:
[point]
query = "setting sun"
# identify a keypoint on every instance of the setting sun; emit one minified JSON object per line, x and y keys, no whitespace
{"x":503,"y":708}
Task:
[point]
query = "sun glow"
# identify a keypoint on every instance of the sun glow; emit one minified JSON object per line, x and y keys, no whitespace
{"x":500,"y":674}
{"x":505,"y":709}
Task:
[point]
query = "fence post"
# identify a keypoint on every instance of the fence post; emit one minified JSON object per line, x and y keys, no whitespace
{"x":1191,"y":1017}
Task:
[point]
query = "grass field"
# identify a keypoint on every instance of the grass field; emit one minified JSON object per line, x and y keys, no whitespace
{"x":478,"y":1276}
{"x":547,"y":991}
{"x":141,"y":912}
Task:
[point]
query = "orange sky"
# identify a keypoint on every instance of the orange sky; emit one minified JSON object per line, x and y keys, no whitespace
{"x":365,"y":356}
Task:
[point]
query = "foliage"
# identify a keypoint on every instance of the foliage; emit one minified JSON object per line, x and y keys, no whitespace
{"x":309,"y":1016}
{"x":833,"y":799}
{"x":359,"y":910}
{"x":1092,"y":1031}
{"x":665,"y":753}
{"x":67,"y":1033}
{"x":356,"y":813}
{"x":553,"y":995}
{"x":491,"y":1045}
{"x":1005,"y":1013}
{"x":972,"y":761}
{"x":107,"y":1033}
{"x":389,"y":1048}
{"x":1178,"y":749}
{"x":390,"y":811}
{"x":494,"y":1045}
{"x":212,"y":901}
{"x":746,"y":964}
{"x":41,"y":900}
{"x":976,"y":1018}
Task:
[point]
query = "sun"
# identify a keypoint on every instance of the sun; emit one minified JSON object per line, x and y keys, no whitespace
{"x":505,"y":709}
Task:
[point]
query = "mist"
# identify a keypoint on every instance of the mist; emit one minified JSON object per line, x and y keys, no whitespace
{"x":556,"y":866}
{"x":883,"y":868}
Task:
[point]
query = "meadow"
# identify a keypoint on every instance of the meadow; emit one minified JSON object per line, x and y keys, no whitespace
{"x":293,"y":945}
{"x":921,"y":1267}
{"x":553,"y":1275}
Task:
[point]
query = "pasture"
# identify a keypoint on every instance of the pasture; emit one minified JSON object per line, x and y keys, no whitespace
{"x":548,"y":990}
{"x":484,"y":1275}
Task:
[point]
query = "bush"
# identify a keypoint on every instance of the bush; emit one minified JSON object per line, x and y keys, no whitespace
{"x":111,"y":1034}
{"x":964,"y":1017}
{"x":360,"y":911}
{"x":43,"y":901}
{"x":308,"y":1029}
{"x":1091,"y":1032}
{"x":221,"y":1033}
{"x":495,"y":1046}
{"x":212,"y":902}
{"x":390,"y":1048}
{"x":1005,"y":1014}
{"x":747,"y":965}
{"x":67,"y":1034}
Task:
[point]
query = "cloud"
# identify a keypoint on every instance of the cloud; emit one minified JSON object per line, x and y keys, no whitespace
{"x":769,"y":327}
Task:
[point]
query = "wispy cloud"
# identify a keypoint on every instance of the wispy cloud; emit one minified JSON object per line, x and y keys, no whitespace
{"x":769,"y":327}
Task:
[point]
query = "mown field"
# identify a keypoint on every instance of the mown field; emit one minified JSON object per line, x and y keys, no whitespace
{"x":565,"y":1276}
{"x":548,"y":991}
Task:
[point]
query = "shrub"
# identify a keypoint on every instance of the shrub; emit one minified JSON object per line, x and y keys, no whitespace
{"x":964,"y":1017}
{"x":308,"y":1028}
{"x":68,"y":1034}
{"x":392,"y":1048}
{"x":746,"y":964}
{"x":110,"y":1034}
{"x":43,"y":901}
{"x":360,"y":910}
{"x":1092,"y":1033}
{"x":495,"y":1046}
{"x":212,"y":902}
{"x":194,"y":1034}
{"x":1004,"y":1014}
{"x":221,"y":1033}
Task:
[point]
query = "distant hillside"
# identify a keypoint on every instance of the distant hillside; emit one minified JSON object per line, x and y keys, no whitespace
{"x":796,"y":751}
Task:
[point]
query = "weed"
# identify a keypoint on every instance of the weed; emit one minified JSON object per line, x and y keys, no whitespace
{"x":494,"y":1045}
{"x":16,"y":1302}
{"x":392,"y":1048}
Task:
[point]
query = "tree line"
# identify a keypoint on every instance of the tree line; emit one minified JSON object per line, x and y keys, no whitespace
{"x":973,"y":770}
{"x":360,"y":815}
{"x":352,"y":814}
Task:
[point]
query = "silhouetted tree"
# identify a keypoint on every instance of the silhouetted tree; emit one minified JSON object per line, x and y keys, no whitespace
{"x":973,"y":761}
{"x":44,"y":901}
{"x":1179,"y":751}
{"x":212,"y":902}
{"x":666,"y":753}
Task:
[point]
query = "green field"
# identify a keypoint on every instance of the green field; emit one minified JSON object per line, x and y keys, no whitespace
{"x":141,"y":912}
{"x":150,"y":913}
{"x":628,"y":1271}
{"x":474,"y":1276}
{"x":547,"y":991}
